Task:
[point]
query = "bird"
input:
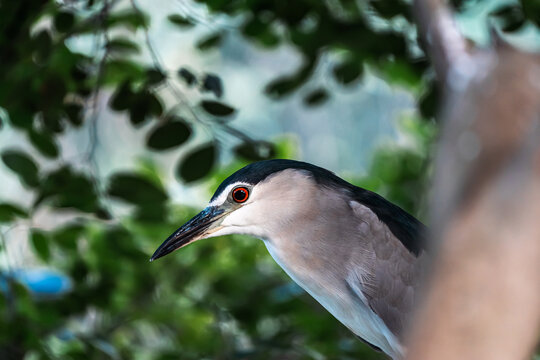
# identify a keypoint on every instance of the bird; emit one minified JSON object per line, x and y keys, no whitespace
{"x":359,"y":255}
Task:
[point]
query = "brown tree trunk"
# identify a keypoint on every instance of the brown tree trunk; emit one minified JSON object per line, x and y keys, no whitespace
{"x":482,"y":299}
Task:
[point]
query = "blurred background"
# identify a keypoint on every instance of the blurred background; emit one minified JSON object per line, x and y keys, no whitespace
{"x":118,"y":119}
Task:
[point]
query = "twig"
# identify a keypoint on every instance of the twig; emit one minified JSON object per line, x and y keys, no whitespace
{"x":4,"y":245}
{"x":99,"y":81}
{"x":177,"y":93}
{"x":93,"y":130}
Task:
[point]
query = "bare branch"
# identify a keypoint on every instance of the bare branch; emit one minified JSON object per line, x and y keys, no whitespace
{"x":483,"y":298}
{"x":102,"y":33}
{"x":445,"y":45}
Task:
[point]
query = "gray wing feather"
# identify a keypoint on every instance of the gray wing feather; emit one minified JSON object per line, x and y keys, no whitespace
{"x":386,"y":276}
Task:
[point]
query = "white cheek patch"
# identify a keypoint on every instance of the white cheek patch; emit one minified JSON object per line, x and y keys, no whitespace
{"x":238,"y":217}
{"x":236,"y":223}
{"x":224,"y":194}
{"x":248,"y":219}
{"x":223,"y":230}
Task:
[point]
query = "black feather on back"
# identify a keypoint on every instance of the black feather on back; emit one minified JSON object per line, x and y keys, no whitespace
{"x":404,"y":226}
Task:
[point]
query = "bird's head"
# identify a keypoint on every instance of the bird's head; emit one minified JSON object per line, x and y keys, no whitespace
{"x":259,"y":200}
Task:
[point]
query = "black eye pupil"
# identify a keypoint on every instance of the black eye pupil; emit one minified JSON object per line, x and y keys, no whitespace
{"x":240,"y":195}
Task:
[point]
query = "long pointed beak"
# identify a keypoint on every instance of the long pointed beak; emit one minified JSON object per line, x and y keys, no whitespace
{"x":193,"y":230}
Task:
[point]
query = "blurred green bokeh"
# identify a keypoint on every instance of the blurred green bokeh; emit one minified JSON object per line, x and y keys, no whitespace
{"x":222,"y":298}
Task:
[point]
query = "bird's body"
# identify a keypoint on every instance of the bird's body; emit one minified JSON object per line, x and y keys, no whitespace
{"x":354,"y":252}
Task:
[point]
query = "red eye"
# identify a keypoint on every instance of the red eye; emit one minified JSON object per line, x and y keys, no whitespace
{"x":240,"y":194}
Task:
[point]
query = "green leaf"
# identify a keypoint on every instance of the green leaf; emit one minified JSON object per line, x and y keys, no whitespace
{"x":53,"y":90}
{"x":154,"y":212}
{"x":40,"y":243}
{"x":213,"y":84}
{"x":68,"y":188}
{"x":122,"y":45}
{"x":135,"y":189}
{"x":154,"y":77}
{"x":399,"y":72}
{"x":429,"y":101}
{"x":255,"y":151}
{"x":131,"y":18}
{"x":103,"y":213}
{"x":511,"y":16}
{"x":44,"y":142}
{"x":198,"y":163}
{"x":169,"y":135}
{"x":282,"y":86}
{"x":390,"y":9}
{"x":531,"y":10}
{"x":513,"y":24}
{"x":316,"y":97}
{"x":217,"y":108}
{"x":119,"y":70}
{"x":506,"y":10}
{"x":285,"y":85}
{"x":64,"y":21}
{"x":21,"y":164}
{"x":74,"y":113}
{"x":42,"y":45}
{"x":210,"y":42}
{"x":67,"y":235}
{"x":53,"y":121}
{"x":145,"y":104}
{"x":122,"y":97}
{"x":180,"y":21}
{"x":261,"y":31}
{"x":187,"y":75}
{"x":21,"y":118}
{"x":348,"y":71}
{"x":8,"y":212}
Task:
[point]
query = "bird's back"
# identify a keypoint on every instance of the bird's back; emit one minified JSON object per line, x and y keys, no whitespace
{"x":387,"y":279}
{"x":353,"y":264}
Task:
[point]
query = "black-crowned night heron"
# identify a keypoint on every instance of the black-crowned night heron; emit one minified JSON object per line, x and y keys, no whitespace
{"x":356,"y":253}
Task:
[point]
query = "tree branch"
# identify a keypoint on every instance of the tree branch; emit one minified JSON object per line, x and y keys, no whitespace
{"x":445,"y":45}
{"x":483,"y":298}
